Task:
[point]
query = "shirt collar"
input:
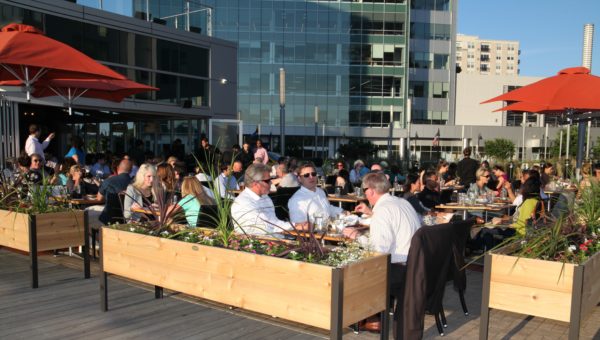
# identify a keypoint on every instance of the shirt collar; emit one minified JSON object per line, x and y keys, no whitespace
{"x":305,"y":190}
{"x":252,"y":194}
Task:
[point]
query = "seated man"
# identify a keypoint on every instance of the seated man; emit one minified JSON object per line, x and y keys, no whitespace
{"x":430,"y":196}
{"x":226,"y":182}
{"x":393,"y":223}
{"x":252,"y":210}
{"x":36,"y":172}
{"x":238,"y":171}
{"x":285,"y":178}
{"x":310,"y":201}
{"x":109,"y":192}
{"x":393,"y":220}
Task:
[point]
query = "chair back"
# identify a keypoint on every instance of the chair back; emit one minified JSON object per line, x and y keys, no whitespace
{"x":429,"y":262}
{"x":209,"y":216}
{"x":280,"y":200}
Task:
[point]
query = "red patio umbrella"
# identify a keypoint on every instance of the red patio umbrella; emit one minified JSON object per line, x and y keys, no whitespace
{"x":28,"y":56}
{"x":530,"y":107}
{"x":107,"y":89}
{"x":571,"y":89}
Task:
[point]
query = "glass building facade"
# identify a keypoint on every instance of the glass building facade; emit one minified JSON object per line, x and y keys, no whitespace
{"x":350,"y":58}
{"x":346,"y":57}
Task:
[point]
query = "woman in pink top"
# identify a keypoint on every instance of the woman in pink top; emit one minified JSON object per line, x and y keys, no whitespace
{"x":261,"y":152}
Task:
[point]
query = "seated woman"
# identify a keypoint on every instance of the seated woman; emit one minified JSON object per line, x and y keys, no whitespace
{"x":139,"y":193}
{"x":194,"y":197}
{"x":166,"y":176}
{"x":530,"y":191}
{"x":75,"y":185}
{"x":442,"y":173}
{"x":411,"y":188}
{"x":501,"y":176}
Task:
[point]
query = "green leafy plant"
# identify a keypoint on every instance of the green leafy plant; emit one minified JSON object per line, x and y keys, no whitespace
{"x":500,"y":149}
{"x":570,"y":238}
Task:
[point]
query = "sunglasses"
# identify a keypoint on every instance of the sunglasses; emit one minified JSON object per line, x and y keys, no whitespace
{"x":309,"y":174}
{"x":35,"y":160}
{"x":488,"y":176}
{"x":266,"y":180}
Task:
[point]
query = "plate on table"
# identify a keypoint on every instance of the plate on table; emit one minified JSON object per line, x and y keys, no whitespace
{"x":481,"y":200}
{"x":451,"y":203}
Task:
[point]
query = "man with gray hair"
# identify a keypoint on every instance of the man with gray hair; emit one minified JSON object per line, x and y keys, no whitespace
{"x":393,"y":220}
{"x":252,"y":210}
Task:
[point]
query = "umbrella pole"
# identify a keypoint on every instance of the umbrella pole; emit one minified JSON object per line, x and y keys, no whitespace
{"x":581,"y":129}
{"x":567,"y":147}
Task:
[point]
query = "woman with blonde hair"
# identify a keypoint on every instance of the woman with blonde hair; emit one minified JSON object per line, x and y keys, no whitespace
{"x":140,"y":192}
{"x":194,"y":197}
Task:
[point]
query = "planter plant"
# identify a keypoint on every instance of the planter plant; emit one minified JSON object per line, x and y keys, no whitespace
{"x":301,"y":281}
{"x":553,"y":272}
{"x":30,"y":224}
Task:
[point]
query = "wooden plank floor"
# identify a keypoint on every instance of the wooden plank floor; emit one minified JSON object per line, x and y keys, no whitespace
{"x":66,"y":306}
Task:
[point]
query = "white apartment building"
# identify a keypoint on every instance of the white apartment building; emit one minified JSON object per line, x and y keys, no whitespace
{"x":485,"y":56}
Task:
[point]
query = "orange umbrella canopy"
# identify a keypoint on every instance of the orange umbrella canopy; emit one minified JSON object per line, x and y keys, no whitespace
{"x":27,"y":55}
{"x":108,"y":89}
{"x":530,"y":107}
{"x":571,"y":89}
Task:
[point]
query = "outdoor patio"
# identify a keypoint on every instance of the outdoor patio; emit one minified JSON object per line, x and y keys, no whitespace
{"x":67,"y":306}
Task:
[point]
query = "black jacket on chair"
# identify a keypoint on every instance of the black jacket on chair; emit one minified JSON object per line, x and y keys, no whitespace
{"x":430,"y":260}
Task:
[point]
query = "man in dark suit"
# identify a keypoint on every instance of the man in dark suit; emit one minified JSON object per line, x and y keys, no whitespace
{"x":466,"y":168}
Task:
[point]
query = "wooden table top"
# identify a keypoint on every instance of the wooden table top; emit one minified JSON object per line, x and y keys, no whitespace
{"x":78,"y":201}
{"x":350,"y":198}
{"x":488,"y":207}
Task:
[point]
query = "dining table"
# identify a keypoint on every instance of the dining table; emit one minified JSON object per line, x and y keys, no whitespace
{"x":83,"y":201}
{"x":483,"y":207}
{"x":348,"y":198}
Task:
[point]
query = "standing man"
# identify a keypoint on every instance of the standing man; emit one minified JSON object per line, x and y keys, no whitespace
{"x":246,"y":155}
{"x":466,"y":168}
{"x":33,"y":145}
{"x":261,"y":152}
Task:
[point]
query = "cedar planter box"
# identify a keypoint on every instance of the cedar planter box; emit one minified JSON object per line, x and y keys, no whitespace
{"x":316,"y":295}
{"x":552,"y":290}
{"x":43,"y":232}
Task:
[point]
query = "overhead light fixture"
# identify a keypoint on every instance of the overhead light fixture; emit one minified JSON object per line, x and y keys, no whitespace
{"x":224,"y":81}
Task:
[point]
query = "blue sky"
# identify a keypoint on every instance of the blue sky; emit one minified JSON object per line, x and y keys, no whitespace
{"x":550,"y":32}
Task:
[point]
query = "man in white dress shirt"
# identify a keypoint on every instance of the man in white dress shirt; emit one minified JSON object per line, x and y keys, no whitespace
{"x":393,"y":220}
{"x":310,"y":201}
{"x":253,"y":211}
{"x":33,"y":145}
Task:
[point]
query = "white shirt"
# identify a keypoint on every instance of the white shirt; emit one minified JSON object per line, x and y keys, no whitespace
{"x":393,"y":224}
{"x":225,"y":183}
{"x":32,"y":145}
{"x":202,"y":177}
{"x":255,"y":214}
{"x":305,"y":204}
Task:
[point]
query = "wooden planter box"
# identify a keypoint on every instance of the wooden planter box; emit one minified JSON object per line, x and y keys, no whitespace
{"x":316,"y":295}
{"x":42,"y":232}
{"x":552,"y":290}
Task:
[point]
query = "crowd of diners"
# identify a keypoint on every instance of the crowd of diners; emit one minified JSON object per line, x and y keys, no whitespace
{"x":121,"y":185}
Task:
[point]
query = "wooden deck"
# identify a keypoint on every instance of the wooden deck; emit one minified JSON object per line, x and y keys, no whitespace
{"x":67,"y":306}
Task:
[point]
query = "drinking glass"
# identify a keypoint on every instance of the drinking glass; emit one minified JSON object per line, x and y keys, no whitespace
{"x":338,"y":191}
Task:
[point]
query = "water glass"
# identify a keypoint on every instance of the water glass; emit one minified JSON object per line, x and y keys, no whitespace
{"x":462,"y":198}
{"x":338,"y":191}
{"x":359,"y":192}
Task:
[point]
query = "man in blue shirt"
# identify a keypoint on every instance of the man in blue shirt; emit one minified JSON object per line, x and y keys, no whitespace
{"x":109,"y":192}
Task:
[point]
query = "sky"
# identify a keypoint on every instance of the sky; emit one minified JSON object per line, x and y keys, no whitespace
{"x":550,"y":32}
